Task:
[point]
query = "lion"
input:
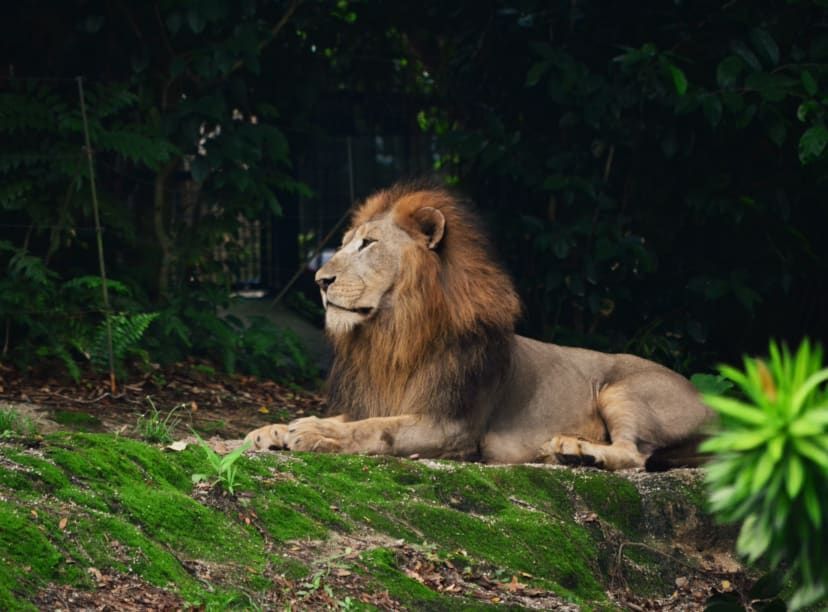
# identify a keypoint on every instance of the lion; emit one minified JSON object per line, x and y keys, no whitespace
{"x":427,"y":362}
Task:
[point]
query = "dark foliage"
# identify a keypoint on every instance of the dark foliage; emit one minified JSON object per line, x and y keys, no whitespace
{"x":655,"y":175}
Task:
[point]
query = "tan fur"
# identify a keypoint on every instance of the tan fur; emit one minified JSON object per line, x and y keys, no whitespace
{"x":427,"y":363}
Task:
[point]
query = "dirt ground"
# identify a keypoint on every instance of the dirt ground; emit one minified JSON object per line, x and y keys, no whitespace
{"x":212,"y":404}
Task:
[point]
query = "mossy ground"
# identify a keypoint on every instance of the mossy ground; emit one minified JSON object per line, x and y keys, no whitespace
{"x":302,"y":522}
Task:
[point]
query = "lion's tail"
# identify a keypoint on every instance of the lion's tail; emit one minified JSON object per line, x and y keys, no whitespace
{"x":681,"y":454}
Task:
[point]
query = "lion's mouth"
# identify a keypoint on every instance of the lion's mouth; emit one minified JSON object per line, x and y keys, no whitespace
{"x":363,"y":311}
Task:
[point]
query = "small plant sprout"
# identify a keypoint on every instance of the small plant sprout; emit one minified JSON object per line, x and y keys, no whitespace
{"x":224,"y":467}
{"x":154,"y":427}
{"x":12,"y":423}
{"x":770,"y":469}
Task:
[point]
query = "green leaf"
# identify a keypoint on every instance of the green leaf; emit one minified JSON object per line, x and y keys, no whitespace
{"x":231,"y":457}
{"x":809,"y":83}
{"x":679,"y":79}
{"x":776,"y":447}
{"x":195,"y":20}
{"x":711,"y":384}
{"x":812,"y":143}
{"x":754,"y":538}
{"x":807,"y":387}
{"x":813,"y":506}
{"x":535,"y":73}
{"x":795,"y":476}
{"x":811,"y":451}
{"x":729,"y":70}
{"x":764,"y":470}
{"x":735,"y":441}
{"x":772,"y":87}
{"x":736,"y":409}
{"x":807,"y":109}
{"x":742,"y":50}
{"x":765,"y":45}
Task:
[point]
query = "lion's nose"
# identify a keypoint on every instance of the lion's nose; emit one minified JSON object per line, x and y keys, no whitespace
{"x":324,"y":282}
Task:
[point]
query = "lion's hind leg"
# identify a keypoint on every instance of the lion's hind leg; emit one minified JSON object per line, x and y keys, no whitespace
{"x":626,"y":417}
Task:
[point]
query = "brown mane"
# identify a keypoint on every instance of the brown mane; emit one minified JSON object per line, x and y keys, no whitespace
{"x":448,"y":329}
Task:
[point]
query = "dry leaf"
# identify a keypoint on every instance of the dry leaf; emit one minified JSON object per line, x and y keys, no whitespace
{"x":193,"y":406}
{"x":264,"y":410}
{"x":178,"y":445}
{"x":62,"y":523}
{"x":514,"y":585}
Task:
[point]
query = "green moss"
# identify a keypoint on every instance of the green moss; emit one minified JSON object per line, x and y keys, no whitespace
{"x":544,"y":489}
{"x":16,"y":479}
{"x":47,"y":477}
{"x":558,"y":554}
{"x":27,"y":557}
{"x":382,"y":567}
{"x":511,"y":519}
{"x":77,"y":420}
{"x":469,"y":491}
{"x":283,"y":522}
{"x":611,"y":497}
{"x":128,"y":548}
{"x":182,"y":523}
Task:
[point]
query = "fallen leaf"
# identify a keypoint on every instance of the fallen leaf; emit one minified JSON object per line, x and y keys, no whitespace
{"x":34,"y":514}
{"x":514,"y":585}
{"x":178,"y":445}
{"x":63,"y":522}
{"x":341,"y":572}
{"x":193,"y":406}
{"x":264,"y":410}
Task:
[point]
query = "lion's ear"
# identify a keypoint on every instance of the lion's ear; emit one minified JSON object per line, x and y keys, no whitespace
{"x":432,"y":223}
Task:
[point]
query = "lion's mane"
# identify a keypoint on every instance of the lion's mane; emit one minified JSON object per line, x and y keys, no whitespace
{"x":444,"y":331}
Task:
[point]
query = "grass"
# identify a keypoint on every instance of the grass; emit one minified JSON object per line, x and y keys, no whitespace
{"x":12,"y":423}
{"x":153,"y":426}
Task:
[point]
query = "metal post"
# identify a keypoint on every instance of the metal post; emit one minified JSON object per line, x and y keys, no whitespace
{"x":98,"y":235}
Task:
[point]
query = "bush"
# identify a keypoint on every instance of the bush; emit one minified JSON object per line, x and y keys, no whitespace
{"x":771,"y":465}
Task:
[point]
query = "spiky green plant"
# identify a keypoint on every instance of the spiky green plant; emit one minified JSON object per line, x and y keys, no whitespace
{"x":153,"y":426}
{"x":770,"y":469}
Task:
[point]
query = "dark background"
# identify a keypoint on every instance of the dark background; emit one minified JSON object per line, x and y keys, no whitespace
{"x":653,"y":174}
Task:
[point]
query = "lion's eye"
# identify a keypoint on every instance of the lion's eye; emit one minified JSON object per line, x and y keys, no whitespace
{"x":366,"y":242}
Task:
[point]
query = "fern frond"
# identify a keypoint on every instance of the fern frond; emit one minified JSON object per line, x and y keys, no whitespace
{"x":127,"y":331}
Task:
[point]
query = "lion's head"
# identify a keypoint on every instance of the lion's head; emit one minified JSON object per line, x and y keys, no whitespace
{"x":412,"y":297}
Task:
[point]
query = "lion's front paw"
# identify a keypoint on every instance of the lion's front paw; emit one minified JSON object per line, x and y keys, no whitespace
{"x":269,"y":437}
{"x":315,"y":434}
{"x":569,"y":450}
